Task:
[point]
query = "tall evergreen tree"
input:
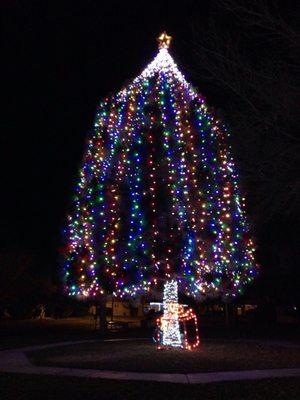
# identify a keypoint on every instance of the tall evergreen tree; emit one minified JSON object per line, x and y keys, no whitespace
{"x":158,"y":195}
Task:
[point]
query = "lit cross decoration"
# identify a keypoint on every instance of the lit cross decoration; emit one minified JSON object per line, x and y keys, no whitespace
{"x":164,"y":40}
{"x":178,"y":326}
{"x":170,"y":321}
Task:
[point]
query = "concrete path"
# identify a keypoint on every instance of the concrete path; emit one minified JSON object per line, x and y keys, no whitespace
{"x":16,"y":361}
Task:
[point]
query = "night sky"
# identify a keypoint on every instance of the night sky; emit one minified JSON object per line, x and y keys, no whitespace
{"x":60,"y":58}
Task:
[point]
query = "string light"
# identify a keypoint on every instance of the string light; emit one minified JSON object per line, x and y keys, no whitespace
{"x":185,"y":316}
{"x":175,"y":316}
{"x":157,"y":195}
{"x":169,"y":322}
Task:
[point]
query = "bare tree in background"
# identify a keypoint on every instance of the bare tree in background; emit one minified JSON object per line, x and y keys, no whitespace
{"x":247,"y":52}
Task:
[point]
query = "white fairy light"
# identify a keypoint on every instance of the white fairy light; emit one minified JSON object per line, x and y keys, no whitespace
{"x":170,"y":321}
{"x":162,"y":63}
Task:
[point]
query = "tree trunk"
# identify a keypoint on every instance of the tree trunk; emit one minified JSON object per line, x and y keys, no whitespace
{"x":227,"y":314}
{"x":102,"y":315}
{"x":112,"y":308}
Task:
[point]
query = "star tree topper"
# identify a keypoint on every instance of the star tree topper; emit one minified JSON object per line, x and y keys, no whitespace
{"x":164,"y":40}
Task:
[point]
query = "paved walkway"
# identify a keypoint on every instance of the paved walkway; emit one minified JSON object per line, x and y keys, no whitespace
{"x":16,"y":361}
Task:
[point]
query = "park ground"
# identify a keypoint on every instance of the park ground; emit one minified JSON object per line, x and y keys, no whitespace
{"x":223,"y":348}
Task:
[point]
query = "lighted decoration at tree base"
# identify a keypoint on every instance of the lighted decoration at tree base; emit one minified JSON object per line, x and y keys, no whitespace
{"x":170,"y":320}
{"x":178,"y":327}
{"x":189,"y":322}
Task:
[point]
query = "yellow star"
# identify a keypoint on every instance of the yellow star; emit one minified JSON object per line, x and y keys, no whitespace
{"x":164,"y":40}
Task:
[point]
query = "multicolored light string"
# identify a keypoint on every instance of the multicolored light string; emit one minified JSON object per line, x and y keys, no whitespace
{"x":158,"y":195}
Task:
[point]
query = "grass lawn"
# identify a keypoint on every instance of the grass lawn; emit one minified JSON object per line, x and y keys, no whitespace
{"x":21,"y":333}
{"x":27,"y":387}
{"x":142,"y":356}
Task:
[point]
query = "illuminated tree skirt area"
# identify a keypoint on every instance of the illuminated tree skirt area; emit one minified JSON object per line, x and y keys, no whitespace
{"x":142,"y":356}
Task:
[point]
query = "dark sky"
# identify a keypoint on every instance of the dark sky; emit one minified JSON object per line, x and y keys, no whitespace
{"x":60,"y":59}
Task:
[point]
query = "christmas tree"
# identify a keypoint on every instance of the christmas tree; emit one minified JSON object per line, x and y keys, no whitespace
{"x":158,"y":195}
